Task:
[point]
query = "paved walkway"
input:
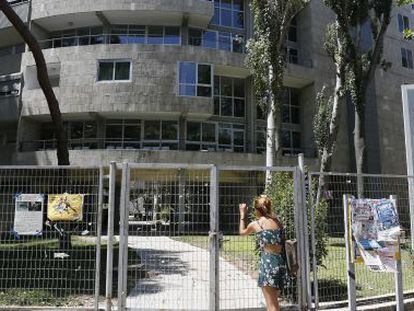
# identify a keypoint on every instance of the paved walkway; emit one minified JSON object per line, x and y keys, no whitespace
{"x":178,"y":278}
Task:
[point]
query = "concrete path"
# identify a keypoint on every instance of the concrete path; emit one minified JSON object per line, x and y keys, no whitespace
{"x":178,"y":279}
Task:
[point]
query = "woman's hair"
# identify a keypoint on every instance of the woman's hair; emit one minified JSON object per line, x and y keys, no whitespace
{"x":263,"y":205}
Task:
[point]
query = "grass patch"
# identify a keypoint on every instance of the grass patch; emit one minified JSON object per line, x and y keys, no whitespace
{"x":331,"y":276}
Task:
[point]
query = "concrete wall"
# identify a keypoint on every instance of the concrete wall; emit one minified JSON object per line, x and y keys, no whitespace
{"x":153,"y":88}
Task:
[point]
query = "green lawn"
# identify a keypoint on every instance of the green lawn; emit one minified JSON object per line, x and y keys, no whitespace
{"x":332,"y":276}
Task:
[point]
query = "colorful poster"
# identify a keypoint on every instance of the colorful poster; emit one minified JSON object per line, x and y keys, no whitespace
{"x":28,"y":216}
{"x":376,"y":227}
{"x":65,"y":207}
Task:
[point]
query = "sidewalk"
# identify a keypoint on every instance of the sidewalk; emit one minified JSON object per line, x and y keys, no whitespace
{"x":179,"y":278}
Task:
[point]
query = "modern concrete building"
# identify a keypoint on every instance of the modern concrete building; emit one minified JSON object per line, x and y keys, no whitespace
{"x":165,"y":81}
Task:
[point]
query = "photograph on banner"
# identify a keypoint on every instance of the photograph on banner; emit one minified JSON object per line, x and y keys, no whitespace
{"x":28,"y":216}
{"x":65,"y":207}
{"x":375,"y":227}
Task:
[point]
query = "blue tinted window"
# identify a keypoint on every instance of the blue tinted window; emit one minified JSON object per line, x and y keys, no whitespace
{"x":210,"y":39}
{"x":188,"y":72}
{"x":229,"y":13}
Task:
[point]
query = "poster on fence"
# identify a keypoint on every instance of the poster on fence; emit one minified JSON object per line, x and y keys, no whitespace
{"x":28,"y":216}
{"x":376,"y":227}
{"x":65,"y":207}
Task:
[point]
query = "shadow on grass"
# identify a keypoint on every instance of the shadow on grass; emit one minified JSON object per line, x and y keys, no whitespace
{"x":332,"y":290}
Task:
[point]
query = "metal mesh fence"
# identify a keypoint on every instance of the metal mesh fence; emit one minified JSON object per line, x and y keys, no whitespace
{"x":45,"y":262}
{"x":331,"y":274}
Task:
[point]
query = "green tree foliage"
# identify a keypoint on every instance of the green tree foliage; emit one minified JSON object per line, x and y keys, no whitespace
{"x":281,"y":193}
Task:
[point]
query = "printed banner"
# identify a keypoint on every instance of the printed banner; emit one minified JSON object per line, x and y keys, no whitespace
{"x":65,"y":207}
{"x":28,"y":216}
{"x":376,"y":227}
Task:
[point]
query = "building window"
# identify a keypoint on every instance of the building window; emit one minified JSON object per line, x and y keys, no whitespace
{"x":403,"y":22}
{"x":292,"y":55}
{"x":407,"y":58}
{"x":82,"y":135}
{"x":229,"y":97}
{"x":210,"y":136}
{"x":229,"y":13}
{"x":10,"y":87}
{"x":216,"y":40}
{"x":291,"y":108}
{"x":291,"y":141}
{"x":293,"y":30}
{"x":123,"y":134}
{"x":114,"y":70}
{"x":195,"y":79}
{"x":160,"y":135}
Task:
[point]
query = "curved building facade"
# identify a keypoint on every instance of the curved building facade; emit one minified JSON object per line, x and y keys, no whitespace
{"x":153,"y":81}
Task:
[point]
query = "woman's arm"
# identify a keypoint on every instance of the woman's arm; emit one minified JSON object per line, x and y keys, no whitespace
{"x":243,"y":230}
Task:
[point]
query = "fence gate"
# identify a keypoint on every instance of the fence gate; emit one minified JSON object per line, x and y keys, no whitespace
{"x":179,"y":247}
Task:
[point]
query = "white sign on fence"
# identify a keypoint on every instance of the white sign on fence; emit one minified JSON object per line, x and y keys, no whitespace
{"x":28,"y":217}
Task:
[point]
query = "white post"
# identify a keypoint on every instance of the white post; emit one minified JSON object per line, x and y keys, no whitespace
{"x":350,"y":266}
{"x":313,"y":245}
{"x":305,"y":243}
{"x":98,"y":239}
{"x":214,"y":298}
{"x":398,"y":279}
{"x":123,"y":239}
{"x":110,"y":243}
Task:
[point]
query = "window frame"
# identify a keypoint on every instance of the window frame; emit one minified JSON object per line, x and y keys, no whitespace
{"x":232,"y":97}
{"x":196,"y":85}
{"x":114,"y":62}
{"x":232,"y":10}
{"x":233,"y":37}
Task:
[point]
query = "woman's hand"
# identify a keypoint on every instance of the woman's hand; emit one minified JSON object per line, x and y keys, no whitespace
{"x":243,"y":209}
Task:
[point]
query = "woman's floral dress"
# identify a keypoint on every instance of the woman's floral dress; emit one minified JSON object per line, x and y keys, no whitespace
{"x":272,"y":268}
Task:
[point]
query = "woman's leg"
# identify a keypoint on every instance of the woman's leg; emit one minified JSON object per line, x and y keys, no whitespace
{"x":271,"y":296}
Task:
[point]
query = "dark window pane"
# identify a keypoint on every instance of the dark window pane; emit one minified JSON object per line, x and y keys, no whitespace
{"x":152,"y":130}
{"x":210,"y":39}
{"x":295,"y":115}
{"x":260,"y":113}
{"x":238,"y":19}
{"x":122,"y":70}
{"x":296,"y":140}
{"x":226,"y":86}
{"x":224,"y":41}
{"x":204,"y":74}
{"x":187,"y":90}
{"x":106,"y":71}
{"x":172,"y":35}
{"x":113,"y":132}
{"x":238,"y":107}
{"x":225,"y":136}
{"x":216,"y":17}
{"x":192,"y":147}
{"x":155,"y":34}
{"x":238,"y":138}
{"x":225,"y":18}
{"x":285,"y":114}
{"x":132,"y":132}
{"x":193,"y":131}
{"x":217,"y":105}
{"x":89,"y":130}
{"x":187,"y":73}
{"x":68,"y":42}
{"x":286,"y":139}
{"x":238,"y":5}
{"x":85,"y":40}
{"x":204,"y":91}
{"x":194,"y":37}
{"x":261,"y":139}
{"x":225,"y":4}
{"x":97,"y":39}
{"x":209,"y":132}
{"x":226,"y":106}
{"x":216,"y":85}
{"x":238,"y":87}
{"x":169,"y":130}
{"x":76,"y":130}
{"x":292,"y":34}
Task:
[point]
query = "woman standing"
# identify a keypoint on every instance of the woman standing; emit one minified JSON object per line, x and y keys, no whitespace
{"x":270,"y":237}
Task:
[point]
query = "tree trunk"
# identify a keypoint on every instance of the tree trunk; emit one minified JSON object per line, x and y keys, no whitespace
{"x":43,"y":78}
{"x":270,"y":140}
{"x":359,"y":146}
{"x":328,"y":149}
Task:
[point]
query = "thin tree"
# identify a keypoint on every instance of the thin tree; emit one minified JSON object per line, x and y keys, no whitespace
{"x":266,"y":59}
{"x":43,"y":78}
{"x":362,"y":59}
